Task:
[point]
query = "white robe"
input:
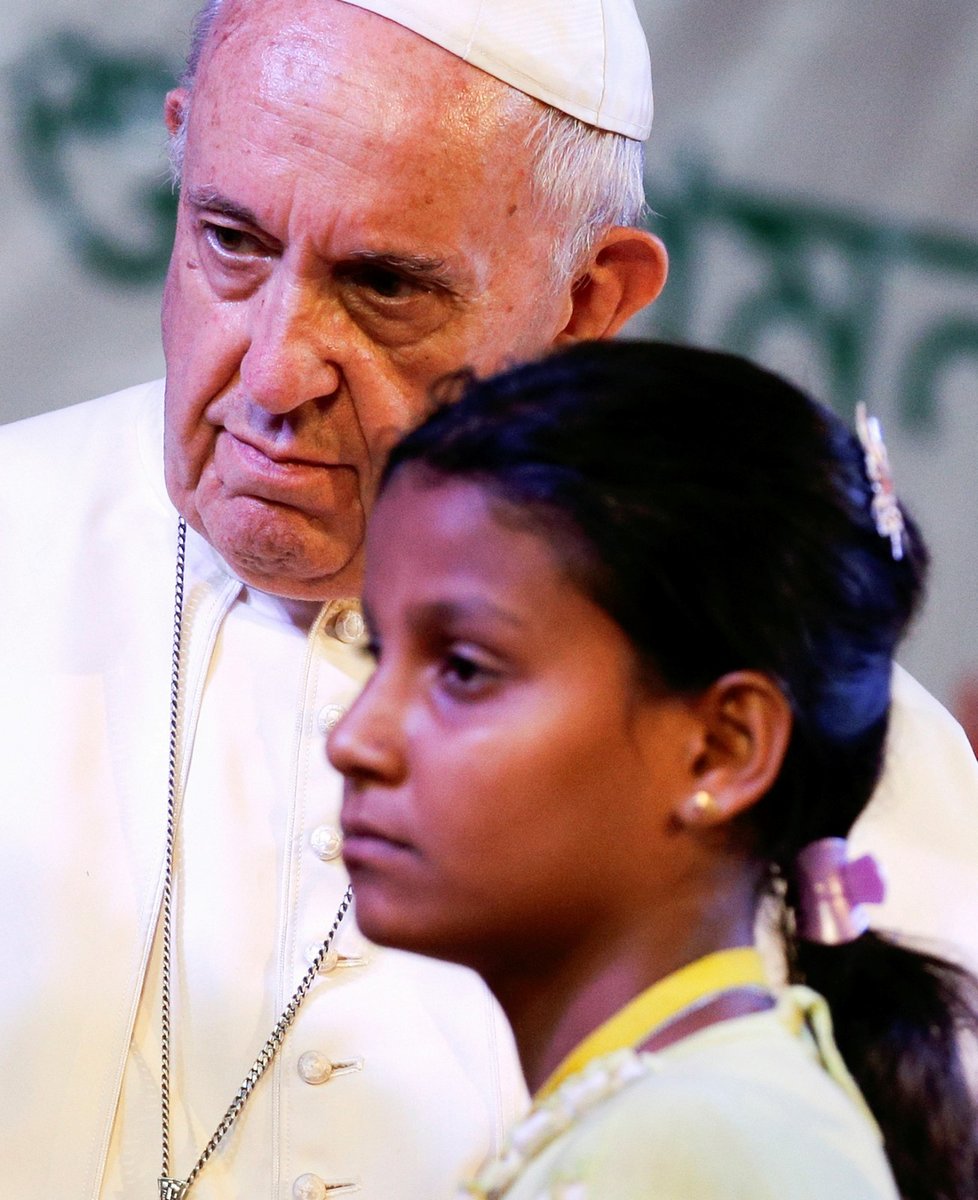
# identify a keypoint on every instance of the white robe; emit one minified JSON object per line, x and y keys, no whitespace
{"x":87,"y":542}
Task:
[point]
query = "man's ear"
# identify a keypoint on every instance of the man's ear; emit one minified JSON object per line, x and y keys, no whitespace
{"x":626,"y":271}
{"x":746,"y":725}
{"x":175,"y":110}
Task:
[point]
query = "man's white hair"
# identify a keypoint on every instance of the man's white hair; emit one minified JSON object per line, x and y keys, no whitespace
{"x":586,"y":180}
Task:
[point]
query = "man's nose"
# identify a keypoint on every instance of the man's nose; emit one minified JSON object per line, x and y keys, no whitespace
{"x":292,"y":355}
{"x":367,"y":745}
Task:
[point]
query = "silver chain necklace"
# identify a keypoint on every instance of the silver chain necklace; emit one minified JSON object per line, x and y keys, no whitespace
{"x":170,"y":1188}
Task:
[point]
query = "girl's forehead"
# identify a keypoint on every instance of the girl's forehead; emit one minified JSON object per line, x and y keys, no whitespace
{"x":426,"y":526}
{"x":432,"y":536}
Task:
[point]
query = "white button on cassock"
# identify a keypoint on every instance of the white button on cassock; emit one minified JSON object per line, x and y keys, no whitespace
{"x":328,"y":716}
{"x":326,"y":841}
{"x":314,"y":1067}
{"x":333,"y":959}
{"x":330,"y":961}
{"x":349,"y":626}
{"x":309,"y":1187}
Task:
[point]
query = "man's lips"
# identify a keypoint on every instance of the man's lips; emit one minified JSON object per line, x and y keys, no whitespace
{"x":252,"y":449}
{"x":274,"y":474}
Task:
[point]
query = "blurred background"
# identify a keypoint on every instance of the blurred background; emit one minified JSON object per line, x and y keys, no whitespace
{"x":813,"y":171}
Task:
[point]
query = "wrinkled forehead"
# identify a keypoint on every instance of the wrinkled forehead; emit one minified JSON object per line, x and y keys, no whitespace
{"x":325,"y":119}
{"x":335,"y":60}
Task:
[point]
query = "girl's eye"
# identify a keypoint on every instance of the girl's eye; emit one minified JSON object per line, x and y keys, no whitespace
{"x":461,"y":668}
{"x":465,"y":675}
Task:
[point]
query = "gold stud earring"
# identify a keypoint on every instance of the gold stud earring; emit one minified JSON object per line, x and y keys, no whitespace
{"x":700,"y":809}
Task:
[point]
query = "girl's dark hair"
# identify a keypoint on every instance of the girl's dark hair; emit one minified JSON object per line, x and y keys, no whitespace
{"x":724,"y":520}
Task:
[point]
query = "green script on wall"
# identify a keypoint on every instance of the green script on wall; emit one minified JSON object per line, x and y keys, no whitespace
{"x":782,"y":245}
{"x":89,"y":124}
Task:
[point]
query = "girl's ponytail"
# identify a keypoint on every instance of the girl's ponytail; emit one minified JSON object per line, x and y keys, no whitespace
{"x":900,"y":1017}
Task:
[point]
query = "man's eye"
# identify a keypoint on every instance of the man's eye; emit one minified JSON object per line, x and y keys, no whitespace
{"x":229,"y":240}
{"x":396,"y":307}
{"x":384,"y":283}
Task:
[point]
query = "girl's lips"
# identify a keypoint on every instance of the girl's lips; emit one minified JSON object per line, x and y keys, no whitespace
{"x":365,"y":842}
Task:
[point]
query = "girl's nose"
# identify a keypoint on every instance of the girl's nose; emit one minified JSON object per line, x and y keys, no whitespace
{"x":366,"y":745}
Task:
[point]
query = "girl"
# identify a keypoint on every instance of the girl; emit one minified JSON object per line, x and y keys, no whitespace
{"x":633,"y":610}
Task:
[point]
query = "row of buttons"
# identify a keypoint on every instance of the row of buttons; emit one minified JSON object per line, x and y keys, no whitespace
{"x":347,"y":627}
{"x":326,"y":841}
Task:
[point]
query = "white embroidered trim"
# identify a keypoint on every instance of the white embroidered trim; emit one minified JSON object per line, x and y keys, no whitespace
{"x":553,"y":1116}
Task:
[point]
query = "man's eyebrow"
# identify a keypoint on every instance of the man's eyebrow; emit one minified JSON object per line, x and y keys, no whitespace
{"x":430,"y":268}
{"x":419,"y":266}
{"x":214,"y":201}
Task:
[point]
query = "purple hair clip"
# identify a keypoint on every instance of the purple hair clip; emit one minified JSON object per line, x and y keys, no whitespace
{"x":832,"y":892}
{"x":886,"y":508}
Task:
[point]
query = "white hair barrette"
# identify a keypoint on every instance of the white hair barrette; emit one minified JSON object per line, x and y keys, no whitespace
{"x":886,"y":508}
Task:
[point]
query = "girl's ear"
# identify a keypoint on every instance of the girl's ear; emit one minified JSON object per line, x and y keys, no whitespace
{"x":746,"y":725}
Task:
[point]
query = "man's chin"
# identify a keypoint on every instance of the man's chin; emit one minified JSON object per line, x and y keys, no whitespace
{"x":285,"y":552}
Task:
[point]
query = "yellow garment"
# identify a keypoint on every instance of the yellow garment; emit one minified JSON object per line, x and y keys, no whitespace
{"x":695,"y":984}
{"x":758,"y":1107}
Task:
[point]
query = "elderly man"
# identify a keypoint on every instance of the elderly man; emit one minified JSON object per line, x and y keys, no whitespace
{"x":361,"y":212}
{"x":373,"y":194}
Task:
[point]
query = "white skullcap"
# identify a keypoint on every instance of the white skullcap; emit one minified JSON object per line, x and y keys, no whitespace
{"x":588,"y":58}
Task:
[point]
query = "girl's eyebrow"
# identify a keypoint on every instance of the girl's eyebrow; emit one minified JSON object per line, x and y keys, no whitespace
{"x":446,"y":611}
{"x":428,"y":614}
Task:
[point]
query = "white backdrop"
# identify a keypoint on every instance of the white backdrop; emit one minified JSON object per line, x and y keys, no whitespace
{"x":813,"y":170}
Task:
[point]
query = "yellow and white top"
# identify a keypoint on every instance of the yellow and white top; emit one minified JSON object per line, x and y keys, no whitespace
{"x":757,"y":1107}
